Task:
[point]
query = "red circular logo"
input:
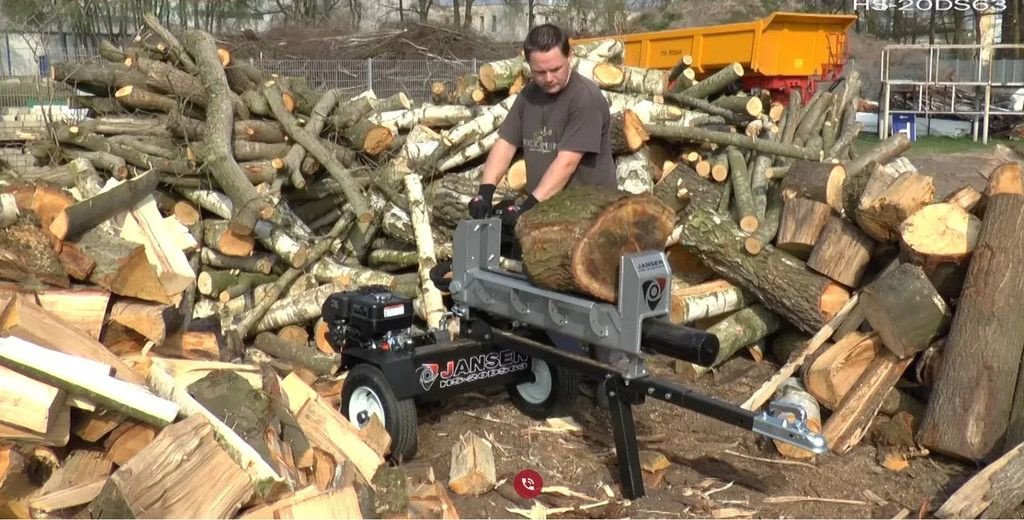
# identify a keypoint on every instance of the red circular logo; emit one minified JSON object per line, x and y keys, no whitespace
{"x":528,"y":483}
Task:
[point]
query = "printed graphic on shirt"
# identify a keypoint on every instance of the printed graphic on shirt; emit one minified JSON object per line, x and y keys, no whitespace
{"x":541,"y":142}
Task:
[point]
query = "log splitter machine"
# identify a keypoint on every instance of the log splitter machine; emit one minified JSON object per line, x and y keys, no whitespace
{"x":502,"y":340}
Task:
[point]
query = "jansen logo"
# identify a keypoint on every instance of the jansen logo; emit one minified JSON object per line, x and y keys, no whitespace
{"x":653,"y":291}
{"x":428,"y":374}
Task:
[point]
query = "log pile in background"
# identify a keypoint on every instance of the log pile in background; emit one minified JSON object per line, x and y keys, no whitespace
{"x":204,"y":206}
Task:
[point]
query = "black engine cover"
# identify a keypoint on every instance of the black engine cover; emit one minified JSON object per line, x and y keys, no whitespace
{"x":372,"y":311}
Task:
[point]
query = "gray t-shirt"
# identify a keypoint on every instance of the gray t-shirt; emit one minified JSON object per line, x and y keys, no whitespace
{"x":575,"y":119}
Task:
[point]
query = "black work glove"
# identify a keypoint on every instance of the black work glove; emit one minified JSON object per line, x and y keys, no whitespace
{"x":510,"y":215}
{"x":480,"y":206}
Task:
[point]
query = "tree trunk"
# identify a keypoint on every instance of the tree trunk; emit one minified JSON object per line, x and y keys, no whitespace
{"x":881,"y":153}
{"x":314,"y":147}
{"x":800,"y":226}
{"x":707,"y":300}
{"x":216,"y":151}
{"x":822,"y":182}
{"x":740,"y":178}
{"x":89,"y":213}
{"x":725,"y":139}
{"x":971,"y":401}
{"x":299,"y":355}
{"x":716,"y":82}
{"x":769,"y":226}
{"x":573,"y":241}
{"x":499,"y":75}
{"x":778,"y":280}
{"x":750,"y":105}
{"x":738,"y":330}
{"x":433,"y":306}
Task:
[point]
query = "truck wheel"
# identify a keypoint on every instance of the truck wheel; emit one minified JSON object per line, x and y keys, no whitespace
{"x":366,"y":393}
{"x":549,"y":395}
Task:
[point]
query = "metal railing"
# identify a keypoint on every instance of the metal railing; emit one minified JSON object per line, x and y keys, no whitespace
{"x":954,"y":68}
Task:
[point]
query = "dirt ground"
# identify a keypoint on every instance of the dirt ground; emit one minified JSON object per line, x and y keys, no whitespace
{"x":714,"y":470}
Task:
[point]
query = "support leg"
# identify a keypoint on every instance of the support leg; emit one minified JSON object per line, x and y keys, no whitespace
{"x":626,"y":447}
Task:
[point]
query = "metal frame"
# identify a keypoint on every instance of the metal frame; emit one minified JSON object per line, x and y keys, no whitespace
{"x":983,"y":78}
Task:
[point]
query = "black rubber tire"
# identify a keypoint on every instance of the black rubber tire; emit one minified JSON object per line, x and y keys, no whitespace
{"x":399,"y":415}
{"x":564,"y":387}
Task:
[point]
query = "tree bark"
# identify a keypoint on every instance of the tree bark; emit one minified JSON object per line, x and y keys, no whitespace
{"x":778,"y":280}
{"x":89,"y":213}
{"x":314,"y":147}
{"x":800,"y":226}
{"x":881,"y":153}
{"x":679,"y":133}
{"x":573,"y":241}
{"x":433,"y":307}
{"x":822,"y":182}
{"x":716,"y":82}
{"x":738,"y":330}
{"x":971,"y":401}
{"x":740,"y":179}
{"x":769,"y":226}
{"x":216,"y":150}
{"x":707,"y":300}
{"x":299,"y":355}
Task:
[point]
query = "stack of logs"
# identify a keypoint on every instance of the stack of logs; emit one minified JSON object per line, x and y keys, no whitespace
{"x":132,"y":248}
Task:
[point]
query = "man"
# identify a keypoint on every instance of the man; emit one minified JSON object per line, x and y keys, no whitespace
{"x":562,"y":123}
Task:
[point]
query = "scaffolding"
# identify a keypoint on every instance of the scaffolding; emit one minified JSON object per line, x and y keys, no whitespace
{"x":963,"y":67}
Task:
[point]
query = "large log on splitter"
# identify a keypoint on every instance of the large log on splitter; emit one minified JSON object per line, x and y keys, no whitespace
{"x":573,"y":241}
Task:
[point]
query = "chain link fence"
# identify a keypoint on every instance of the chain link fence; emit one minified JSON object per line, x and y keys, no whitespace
{"x":384,"y":77}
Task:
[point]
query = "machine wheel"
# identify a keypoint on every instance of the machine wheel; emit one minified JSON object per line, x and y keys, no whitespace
{"x":367,"y":393}
{"x":549,"y":395}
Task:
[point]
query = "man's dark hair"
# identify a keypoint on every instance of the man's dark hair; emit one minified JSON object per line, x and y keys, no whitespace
{"x":545,"y":37}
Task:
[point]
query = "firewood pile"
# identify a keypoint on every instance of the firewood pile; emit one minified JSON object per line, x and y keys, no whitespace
{"x":168,"y":257}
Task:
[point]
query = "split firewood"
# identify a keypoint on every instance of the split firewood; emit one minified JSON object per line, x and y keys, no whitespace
{"x":152,"y":320}
{"x":85,"y":215}
{"x":991,"y":493}
{"x":58,"y":369}
{"x":82,"y":306}
{"x":833,"y":371}
{"x":979,"y":333}
{"x":905,"y":310}
{"x":472,"y":468}
{"x":192,"y":345}
{"x":170,"y":462}
{"x":940,"y":238}
{"x":22,"y":318}
{"x":881,"y":217}
{"x":967,"y":198}
{"x":841,"y":252}
{"x":28,"y":403}
{"x":558,"y":254}
{"x":76,"y":482}
{"x":851,"y":419}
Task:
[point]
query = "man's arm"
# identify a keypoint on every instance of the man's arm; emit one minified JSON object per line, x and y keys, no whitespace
{"x":498,"y":161}
{"x":557,"y":174}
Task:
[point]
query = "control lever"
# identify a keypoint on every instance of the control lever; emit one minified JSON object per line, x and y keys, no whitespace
{"x":789,"y":430}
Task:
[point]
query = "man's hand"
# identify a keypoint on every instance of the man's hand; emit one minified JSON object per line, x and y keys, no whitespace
{"x":480,"y":206}
{"x":510,"y":216}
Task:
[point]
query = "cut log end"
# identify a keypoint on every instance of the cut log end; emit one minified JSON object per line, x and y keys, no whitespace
{"x":377,"y":140}
{"x":942,"y":229}
{"x":749,"y":223}
{"x":753,"y":245}
{"x":832,"y":300}
{"x":1005,"y":179}
{"x":720,"y":172}
{"x":288,"y":100}
{"x":224,"y":56}
{"x":186,"y":212}
{"x":703,"y":168}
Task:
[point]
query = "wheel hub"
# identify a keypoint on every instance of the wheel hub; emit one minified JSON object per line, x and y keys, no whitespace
{"x":539,"y":390}
{"x":363,"y":404}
